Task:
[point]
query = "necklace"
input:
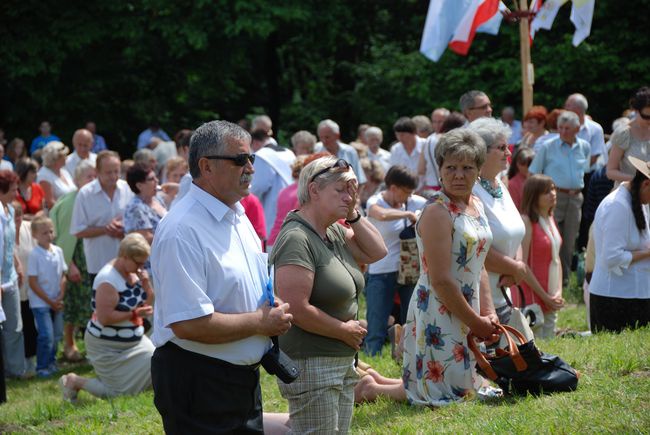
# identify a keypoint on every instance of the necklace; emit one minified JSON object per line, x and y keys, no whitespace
{"x":496,"y":192}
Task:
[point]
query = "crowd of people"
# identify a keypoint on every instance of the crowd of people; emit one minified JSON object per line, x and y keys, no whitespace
{"x":180,"y":264}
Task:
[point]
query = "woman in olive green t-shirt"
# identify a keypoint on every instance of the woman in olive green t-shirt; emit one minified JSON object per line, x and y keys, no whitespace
{"x":316,"y":272}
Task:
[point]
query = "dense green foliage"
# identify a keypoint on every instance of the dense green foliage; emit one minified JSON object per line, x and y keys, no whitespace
{"x":182,"y":62}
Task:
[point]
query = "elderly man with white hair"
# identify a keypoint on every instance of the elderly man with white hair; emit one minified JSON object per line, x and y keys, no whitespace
{"x":329,"y":134}
{"x":82,"y":142}
{"x":590,"y":130}
{"x":374,"y":137}
{"x":565,"y":159}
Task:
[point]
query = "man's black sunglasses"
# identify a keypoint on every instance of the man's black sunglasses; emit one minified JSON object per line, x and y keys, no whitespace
{"x":239,"y":159}
{"x":340,"y":164}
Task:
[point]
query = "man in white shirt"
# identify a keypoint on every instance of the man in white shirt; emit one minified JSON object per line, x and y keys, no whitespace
{"x":82,"y":141}
{"x":374,"y":137}
{"x":98,"y":212}
{"x":590,"y":130}
{"x":272,"y":174}
{"x":407,"y":151}
{"x":329,"y":134}
{"x":212,"y":316}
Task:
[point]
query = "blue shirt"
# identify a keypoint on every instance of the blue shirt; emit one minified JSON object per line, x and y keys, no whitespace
{"x":40,"y":141}
{"x":565,"y":164}
{"x":145,"y":137}
{"x":99,"y":143}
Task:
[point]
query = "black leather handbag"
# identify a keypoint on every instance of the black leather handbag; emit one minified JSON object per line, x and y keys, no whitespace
{"x":522,"y":368}
{"x":278,"y":363}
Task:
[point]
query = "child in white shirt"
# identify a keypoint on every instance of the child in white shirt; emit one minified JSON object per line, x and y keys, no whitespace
{"x":46,"y":272}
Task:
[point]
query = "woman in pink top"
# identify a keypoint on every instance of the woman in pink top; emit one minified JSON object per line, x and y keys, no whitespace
{"x":541,"y":250}
{"x":518,"y":173}
{"x":288,"y":197}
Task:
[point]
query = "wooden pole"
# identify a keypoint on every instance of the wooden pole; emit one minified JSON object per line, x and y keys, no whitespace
{"x":527,"y":71}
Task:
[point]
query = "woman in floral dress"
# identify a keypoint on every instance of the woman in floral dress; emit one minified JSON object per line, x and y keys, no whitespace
{"x":448,"y":302}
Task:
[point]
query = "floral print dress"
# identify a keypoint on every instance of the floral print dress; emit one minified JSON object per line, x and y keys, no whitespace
{"x":438,"y":367}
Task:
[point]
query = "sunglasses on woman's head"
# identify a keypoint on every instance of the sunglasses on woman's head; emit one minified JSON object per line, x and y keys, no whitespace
{"x":340,"y":164}
{"x":239,"y":159}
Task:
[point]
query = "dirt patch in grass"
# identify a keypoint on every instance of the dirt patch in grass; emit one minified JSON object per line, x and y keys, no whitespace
{"x":644,"y":373}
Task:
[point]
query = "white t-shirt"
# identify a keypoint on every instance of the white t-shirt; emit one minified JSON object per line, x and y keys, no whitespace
{"x":389,"y":231}
{"x":48,"y":266}
{"x":507,"y":228}
{"x":399,"y":156}
{"x":93,"y":208}
{"x":25,"y":246}
{"x":73,"y":160}
{"x":382,"y":157}
{"x":432,"y":174}
{"x":206,"y":257}
{"x":59,"y":186}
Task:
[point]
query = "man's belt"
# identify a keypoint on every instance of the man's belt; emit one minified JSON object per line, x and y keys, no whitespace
{"x":571,"y":192}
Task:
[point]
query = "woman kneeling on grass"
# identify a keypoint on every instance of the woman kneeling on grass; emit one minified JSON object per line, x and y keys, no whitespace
{"x":116,"y":345}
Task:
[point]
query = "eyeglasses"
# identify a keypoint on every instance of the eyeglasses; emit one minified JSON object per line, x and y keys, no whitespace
{"x":239,"y":159}
{"x":483,"y":107}
{"x":340,"y":164}
{"x":501,"y":148}
{"x":643,"y":115}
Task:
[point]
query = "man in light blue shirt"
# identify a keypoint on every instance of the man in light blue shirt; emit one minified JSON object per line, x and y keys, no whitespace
{"x":99,"y":144}
{"x":565,"y":159}
{"x":329,"y":134}
{"x":153,"y":131}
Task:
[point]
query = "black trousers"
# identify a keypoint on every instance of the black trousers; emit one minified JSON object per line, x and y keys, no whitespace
{"x":615,"y":314}
{"x":201,"y":395}
{"x":29,"y":329}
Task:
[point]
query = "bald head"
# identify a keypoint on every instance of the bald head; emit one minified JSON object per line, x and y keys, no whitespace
{"x":82,"y":141}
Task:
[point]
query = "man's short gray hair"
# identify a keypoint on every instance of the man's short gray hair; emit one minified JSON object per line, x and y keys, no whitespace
{"x":261,"y":122}
{"x":580,"y":100}
{"x":373,"y":132}
{"x":461,"y":143}
{"x":323,"y":180}
{"x":568,"y":117}
{"x":466,"y":101}
{"x":329,"y":124}
{"x":144,"y":155}
{"x":211,"y":139}
{"x":442,"y":110}
{"x":303,"y":136}
{"x":491,"y":130}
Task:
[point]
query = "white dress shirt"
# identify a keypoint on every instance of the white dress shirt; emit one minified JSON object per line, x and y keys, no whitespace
{"x":432,"y":174}
{"x":592,"y":132}
{"x":615,"y":237}
{"x":206,"y":257}
{"x":73,"y":160}
{"x":399,"y":156}
{"x":93,"y":208}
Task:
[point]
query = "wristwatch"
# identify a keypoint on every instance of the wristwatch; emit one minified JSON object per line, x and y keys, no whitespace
{"x":355,"y":220}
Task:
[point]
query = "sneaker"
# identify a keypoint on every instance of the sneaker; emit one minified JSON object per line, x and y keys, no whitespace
{"x":69,"y":393}
{"x":43,"y":373}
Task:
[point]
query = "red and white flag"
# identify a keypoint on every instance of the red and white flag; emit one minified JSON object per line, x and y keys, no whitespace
{"x":478,"y":12}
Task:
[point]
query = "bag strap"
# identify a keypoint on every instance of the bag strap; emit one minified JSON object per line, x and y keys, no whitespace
{"x":508,"y":301}
{"x":513,"y":351}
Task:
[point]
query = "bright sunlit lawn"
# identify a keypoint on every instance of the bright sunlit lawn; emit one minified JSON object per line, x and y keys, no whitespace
{"x":613,"y":397}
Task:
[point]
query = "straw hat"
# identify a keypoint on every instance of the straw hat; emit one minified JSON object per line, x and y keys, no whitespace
{"x":640,"y":165}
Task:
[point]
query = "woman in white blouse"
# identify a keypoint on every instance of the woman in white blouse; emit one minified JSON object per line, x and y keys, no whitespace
{"x":620,"y":284}
{"x":503,"y":263}
{"x":53,"y":177}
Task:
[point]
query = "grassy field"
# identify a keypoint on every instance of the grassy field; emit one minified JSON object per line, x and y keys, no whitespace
{"x":613,"y":397}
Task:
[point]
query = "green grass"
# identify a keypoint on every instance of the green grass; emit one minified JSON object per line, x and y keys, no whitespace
{"x":613,"y":397}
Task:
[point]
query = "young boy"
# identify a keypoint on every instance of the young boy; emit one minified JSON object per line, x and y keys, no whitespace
{"x":46,"y":271}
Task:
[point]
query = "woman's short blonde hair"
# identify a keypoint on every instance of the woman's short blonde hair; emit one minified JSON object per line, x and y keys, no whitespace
{"x":134,"y":246}
{"x":461,"y":143}
{"x":52,"y":152}
{"x":324,"y":179}
{"x":175,"y":163}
